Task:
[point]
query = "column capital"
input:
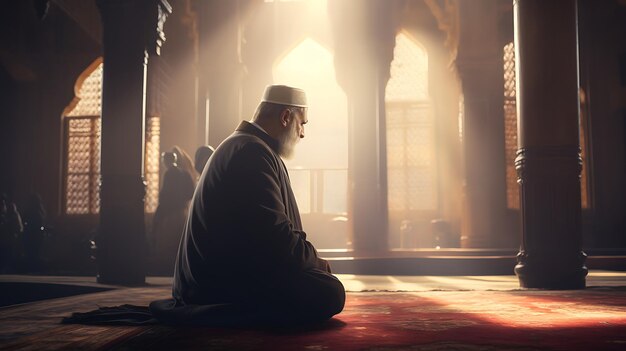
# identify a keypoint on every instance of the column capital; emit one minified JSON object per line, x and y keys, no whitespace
{"x":155,"y":35}
{"x":447,"y":17}
{"x":143,"y":18}
{"x":369,"y":33}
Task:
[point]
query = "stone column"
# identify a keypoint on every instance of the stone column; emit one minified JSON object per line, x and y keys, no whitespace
{"x":367,"y":162}
{"x":221,"y":69}
{"x":131,"y":30}
{"x":365,"y":30}
{"x":201,"y":10}
{"x":258,"y":55}
{"x":548,"y":161}
{"x":202,"y":112}
{"x":480,"y":68}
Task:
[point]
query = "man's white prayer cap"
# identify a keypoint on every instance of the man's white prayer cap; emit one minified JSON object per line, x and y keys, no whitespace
{"x":285,"y":95}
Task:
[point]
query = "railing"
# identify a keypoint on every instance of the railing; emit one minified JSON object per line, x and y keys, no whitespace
{"x":320,"y":191}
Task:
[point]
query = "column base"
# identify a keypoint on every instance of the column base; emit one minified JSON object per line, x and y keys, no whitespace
{"x":121,"y":245}
{"x":564,"y":275}
{"x":551,"y":255}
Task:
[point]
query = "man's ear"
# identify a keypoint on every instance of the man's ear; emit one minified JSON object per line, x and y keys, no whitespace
{"x":285,"y":117}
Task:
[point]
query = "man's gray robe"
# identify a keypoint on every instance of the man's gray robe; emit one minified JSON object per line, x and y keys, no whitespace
{"x":243,"y":242}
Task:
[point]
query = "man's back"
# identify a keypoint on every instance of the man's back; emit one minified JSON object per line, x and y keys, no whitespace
{"x":244,"y":224}
{"x":243,"y":255}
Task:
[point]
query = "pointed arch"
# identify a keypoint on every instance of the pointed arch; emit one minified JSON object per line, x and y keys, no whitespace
{"x":81,"y":120}
{"x":410,"y":130}
{"x":411,"y":163}
{"x":87,"y":92}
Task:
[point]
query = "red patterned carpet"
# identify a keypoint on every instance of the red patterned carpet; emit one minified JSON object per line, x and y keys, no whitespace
{"x":591,"y":319}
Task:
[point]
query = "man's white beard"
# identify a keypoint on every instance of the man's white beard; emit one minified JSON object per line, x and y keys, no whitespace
{"x":288,"y":140}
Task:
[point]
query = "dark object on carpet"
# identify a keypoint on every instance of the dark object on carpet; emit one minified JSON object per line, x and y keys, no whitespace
{"x":116,"y":315}
{"x":167,"y":312}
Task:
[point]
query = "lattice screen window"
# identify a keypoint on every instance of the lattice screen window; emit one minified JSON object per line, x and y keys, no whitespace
{"x":153,"y":140}
{"x":82,"y":178}
{"x":82,"y":146}
{"x":510,"y":132}
{"x":411,"y":166}
{"x":510,"y":126}
{"x":82,"y":129}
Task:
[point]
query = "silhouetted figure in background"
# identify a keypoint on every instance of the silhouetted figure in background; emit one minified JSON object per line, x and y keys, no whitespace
{"x":171,"y":213}
{"x":184,"y":162}
{"x":34,"y":217}
{"x":11,"y":229}
{"x":203,"y":154}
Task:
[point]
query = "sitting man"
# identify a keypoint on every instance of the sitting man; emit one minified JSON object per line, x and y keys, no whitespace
{"x":243,"y":255}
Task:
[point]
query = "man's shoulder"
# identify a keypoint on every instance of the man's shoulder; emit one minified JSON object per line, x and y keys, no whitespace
{"x":244,"y":152}
{"x":246,"y":143}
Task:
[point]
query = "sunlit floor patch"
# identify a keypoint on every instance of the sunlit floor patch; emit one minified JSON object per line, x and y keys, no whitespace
{"x":484,"y":282}
{"x":535,"y":309}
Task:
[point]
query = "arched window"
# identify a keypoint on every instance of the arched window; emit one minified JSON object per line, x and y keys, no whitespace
{"x":82,"y":137}
{"x":318,"y":171}
{"x":82,"y":144}
{"x":411,"y":163}
{"x":510,"y":133}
